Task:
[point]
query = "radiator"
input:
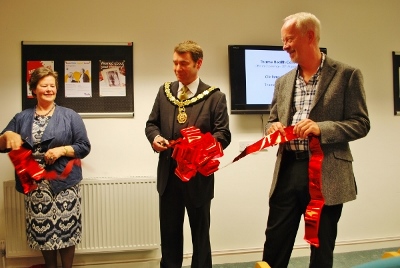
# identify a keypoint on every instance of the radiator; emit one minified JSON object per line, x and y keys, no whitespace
{"x":117,"y":215}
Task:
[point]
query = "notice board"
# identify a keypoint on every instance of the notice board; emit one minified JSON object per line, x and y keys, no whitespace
{"x":94,"y":79}
{"x":396,"y":82}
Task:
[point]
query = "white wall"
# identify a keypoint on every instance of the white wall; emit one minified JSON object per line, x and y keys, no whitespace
{"x":359,"y":32}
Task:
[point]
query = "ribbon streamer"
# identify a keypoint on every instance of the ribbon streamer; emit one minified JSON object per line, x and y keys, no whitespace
{"x":312,"y":214}
{"x":29,"y":171}
{"x":269,"y":140}
{"x":197,"y":152}
{"x":314,"y":208}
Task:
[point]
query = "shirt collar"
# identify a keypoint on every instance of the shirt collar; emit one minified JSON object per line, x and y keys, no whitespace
{"x":192,"y":86}
{"x":323,"y":56}
{"x":322,"y":61}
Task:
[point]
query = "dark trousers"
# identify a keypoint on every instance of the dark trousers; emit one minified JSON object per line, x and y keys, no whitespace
{"x":286,"y":207}
{"x":172,"y":213}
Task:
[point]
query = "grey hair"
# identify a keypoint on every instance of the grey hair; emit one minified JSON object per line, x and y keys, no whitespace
{"x":306,"y":22}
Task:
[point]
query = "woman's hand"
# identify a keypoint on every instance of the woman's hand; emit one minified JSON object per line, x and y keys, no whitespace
{"x":10,"y":140}
{"x":53,"y":154}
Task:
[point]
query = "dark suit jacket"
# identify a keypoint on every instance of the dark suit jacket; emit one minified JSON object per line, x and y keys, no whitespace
{"x":209,"y":115}
{"x":339,"y":108}
{"x":85,"y":78}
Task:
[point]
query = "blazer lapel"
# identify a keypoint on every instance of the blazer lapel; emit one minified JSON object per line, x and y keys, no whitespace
{"x":196,"y":108}
{"x":171,"y":108}
{"x":327,"y":73}
{"x":287,"y":97}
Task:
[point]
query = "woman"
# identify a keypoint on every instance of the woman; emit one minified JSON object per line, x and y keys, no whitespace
{"x":56,"y":136}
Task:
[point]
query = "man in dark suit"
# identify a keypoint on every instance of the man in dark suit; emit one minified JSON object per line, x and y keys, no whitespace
{"x":324,"y":98}
{"x":201,"y":106}
{"x":84,"y":77}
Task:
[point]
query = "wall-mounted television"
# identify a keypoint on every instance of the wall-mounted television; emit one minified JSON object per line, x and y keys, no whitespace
{"x":253,"y":70}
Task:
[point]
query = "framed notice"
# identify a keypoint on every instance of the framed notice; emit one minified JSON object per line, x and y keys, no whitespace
{"x":396,"y":82}
{"x":94,"y":79}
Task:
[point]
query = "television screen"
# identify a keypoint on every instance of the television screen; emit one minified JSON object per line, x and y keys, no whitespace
{"x":253,"y":70}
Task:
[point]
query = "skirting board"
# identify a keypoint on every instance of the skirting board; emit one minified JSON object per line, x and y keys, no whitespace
{"x":128,"y":259}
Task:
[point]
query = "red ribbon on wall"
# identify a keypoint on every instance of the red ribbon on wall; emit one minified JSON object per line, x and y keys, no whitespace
{"x":29,"y":171}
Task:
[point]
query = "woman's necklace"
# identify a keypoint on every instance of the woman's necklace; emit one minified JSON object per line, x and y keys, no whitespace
{"x":44,"y":115}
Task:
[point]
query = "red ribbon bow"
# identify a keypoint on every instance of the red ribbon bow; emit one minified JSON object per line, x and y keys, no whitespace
{"x":195,"y":152}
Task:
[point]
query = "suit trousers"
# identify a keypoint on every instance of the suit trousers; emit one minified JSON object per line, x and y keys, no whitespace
{"x":287,"y":205}
{"x":173,"y":202}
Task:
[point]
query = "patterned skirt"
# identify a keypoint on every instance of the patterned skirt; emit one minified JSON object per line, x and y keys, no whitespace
{"x":53,"y":221}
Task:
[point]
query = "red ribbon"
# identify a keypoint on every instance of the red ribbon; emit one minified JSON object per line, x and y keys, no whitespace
{"x":29,"y":171}
{"x":195,"y":152}
{"x":313,"y":211}
{"x":269,"y":140}
{"x":314,"y":208}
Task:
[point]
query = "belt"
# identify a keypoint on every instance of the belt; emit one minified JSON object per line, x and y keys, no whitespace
{"x":298,"y":155}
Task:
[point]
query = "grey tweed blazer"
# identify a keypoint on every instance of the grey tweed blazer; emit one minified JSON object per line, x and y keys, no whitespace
{"x":339,"y":108}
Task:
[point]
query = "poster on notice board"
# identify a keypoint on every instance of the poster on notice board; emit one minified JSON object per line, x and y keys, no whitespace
{"x":30,"y":67}
{"x":112,"y":82}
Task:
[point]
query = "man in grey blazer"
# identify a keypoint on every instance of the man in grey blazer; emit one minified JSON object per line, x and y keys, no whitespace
{"x":205,"y":108}
{"x":324,"y":98}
